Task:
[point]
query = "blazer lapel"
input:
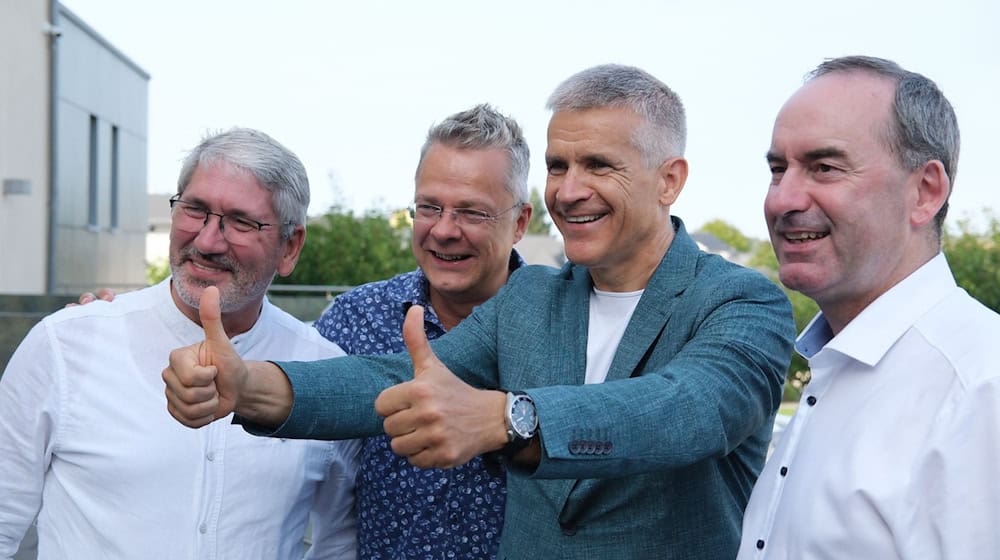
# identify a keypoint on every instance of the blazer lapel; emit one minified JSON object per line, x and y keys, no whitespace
{"x":652,"y":314}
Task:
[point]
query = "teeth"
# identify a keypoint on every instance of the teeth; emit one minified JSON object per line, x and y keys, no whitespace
{"x":804,"y":235}
{"x":208,"y":268}
{"x":450,"y":257}
{"x":583,"y":219}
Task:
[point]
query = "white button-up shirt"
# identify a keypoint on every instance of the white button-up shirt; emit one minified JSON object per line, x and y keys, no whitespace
{"x":894,"y":451}
{"x":86,"y":443}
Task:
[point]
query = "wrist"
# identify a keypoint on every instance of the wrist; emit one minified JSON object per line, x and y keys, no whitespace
{"x":521,"y":422}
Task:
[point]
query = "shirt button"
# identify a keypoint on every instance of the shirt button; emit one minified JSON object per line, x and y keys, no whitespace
{"x":203,"y":529}
{"x":210,"y":455}
{"x":784,"y":471}
{"x":568,"y":529}
{"x":760,"y":544}
{"x":811,"y":400}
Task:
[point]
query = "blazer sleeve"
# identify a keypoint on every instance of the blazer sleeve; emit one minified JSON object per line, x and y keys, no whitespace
{"x":335,"y":398}
{"x":711,"y":380}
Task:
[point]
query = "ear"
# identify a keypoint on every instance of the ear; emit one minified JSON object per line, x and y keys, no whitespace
{"x":673,"y":175}
{"x":291,"y":249}
{"x":523,"y":219}
{"x":933,"y":187}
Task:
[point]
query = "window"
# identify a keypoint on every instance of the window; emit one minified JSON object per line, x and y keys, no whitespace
{"x":92,"y":176}
{"x":114,"y":178}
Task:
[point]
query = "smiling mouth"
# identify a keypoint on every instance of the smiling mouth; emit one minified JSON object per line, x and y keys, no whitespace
{"x":449,"y":258}
{"x":584,"y":219}
{"x":803,"y":236}
{"x":208,"y":267}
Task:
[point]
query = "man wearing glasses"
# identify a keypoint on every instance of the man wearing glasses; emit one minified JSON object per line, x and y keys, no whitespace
{"x":84,"y":441}
{"x":469,"y":210}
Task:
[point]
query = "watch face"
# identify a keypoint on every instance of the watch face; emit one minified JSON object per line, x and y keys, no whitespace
{"x":522,"y":417}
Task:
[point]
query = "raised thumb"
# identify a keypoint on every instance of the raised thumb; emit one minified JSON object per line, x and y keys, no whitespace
{"x":211,"y":320}
{"x":416,"y":340}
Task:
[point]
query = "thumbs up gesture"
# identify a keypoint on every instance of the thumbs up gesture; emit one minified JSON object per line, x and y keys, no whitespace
{"x":437,"y":420}
{"x":203,"y":380}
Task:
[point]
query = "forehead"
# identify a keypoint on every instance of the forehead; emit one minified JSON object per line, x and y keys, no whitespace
{"x":592,"y":130}
{"x":846,"y":110}
{"x":224,"y":187}
{"x":464,"y":177}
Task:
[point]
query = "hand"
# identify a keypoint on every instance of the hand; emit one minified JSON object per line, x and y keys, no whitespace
{"x":437,"y":420}
{"x":104,"y":294}
{"x":203,"y":379}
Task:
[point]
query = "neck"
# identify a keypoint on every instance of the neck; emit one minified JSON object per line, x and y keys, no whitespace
{"x":450,"y":312}
{"x":840,"y":313}
{"x":634,"y":273}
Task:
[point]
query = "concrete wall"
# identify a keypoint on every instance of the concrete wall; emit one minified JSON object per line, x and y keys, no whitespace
{"x":24,"y":133}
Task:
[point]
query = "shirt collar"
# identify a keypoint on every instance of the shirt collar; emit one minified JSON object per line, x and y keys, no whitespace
{"x":870,"y":335}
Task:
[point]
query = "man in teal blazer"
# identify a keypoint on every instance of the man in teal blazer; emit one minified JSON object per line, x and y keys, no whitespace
{"x":631,"y":393}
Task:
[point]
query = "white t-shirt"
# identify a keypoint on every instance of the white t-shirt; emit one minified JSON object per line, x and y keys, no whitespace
{"x":86,"y":443}
{"x":609,"y":315}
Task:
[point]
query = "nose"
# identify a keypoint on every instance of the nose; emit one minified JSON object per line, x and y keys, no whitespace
{"x":210,"y":239}
{"x":446,"y":227}
{"x":788,"y":193}
{"x":570,"y":187}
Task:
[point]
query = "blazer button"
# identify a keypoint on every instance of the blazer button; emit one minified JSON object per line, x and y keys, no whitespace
{"x":568,"y":529}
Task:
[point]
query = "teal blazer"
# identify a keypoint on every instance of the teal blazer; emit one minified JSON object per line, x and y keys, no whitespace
{"x":656,"y":462}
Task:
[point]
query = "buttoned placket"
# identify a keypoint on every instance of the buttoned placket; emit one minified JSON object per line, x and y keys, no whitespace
{"x":811,"y":398}
{"x":214,"y":469}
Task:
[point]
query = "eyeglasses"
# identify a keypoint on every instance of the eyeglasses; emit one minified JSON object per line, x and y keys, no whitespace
{"x":192,"y":218}
{"x":430,"y":213}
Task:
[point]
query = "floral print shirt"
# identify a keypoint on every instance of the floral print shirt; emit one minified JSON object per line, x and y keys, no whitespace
{"x":405,"y":512}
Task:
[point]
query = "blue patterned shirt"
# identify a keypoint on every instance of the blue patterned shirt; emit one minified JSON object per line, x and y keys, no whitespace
{"x":405,"y":512}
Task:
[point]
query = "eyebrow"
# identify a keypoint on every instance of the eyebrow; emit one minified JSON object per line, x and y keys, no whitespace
{"x":235,"y":213}
{"x":811,"y":155}
{"x":464,"y":204}
{"x":823,"y":153}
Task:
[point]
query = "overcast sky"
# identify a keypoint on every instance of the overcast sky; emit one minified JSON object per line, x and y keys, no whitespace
{"x":352,"y":87}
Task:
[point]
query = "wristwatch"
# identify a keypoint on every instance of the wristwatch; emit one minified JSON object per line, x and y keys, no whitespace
{"x":522,"y":422}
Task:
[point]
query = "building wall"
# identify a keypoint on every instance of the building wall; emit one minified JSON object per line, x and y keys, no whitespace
{"x":102,"y":109}
{"x":24,"y":133}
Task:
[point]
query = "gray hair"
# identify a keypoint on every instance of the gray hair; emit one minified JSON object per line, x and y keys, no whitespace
{"x":662,"y":135}
{"x":484,"y":128}
{"x":923,"y":126}
{"x":275,"y":167}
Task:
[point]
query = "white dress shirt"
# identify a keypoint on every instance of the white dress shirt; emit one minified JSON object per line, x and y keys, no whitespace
{"x":87,"y":444}
{"x":894,"y":451}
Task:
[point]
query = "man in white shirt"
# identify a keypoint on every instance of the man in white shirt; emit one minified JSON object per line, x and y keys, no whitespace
{"x":85,"y":441}
{"x":893,"y":451}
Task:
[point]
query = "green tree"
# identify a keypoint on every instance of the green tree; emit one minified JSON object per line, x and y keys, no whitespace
{"x":345,"y":249}
{"x":157,"y":270}
{"x":728,"y":234}
{"x":539,"y":223}
{"x":975,"y":259}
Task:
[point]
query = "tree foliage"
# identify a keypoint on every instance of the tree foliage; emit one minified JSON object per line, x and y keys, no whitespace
{"x":157,"y":270}
{"x":975,"y":259}
{"x":539,"y":223}
{"x":728,"y":234}
{"x":344,"y":249}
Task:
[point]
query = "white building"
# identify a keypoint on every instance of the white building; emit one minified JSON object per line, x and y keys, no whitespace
{"x":73,"y":129}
